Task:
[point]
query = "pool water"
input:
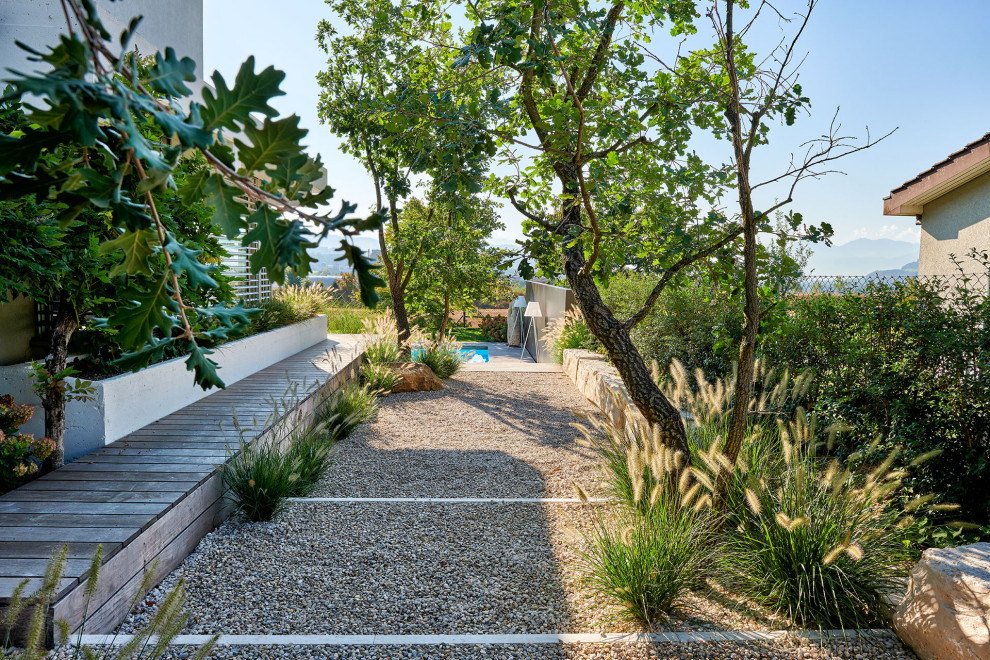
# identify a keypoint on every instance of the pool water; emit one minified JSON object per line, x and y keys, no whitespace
{"x":473,"y":353}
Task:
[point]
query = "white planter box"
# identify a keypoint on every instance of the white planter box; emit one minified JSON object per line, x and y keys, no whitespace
{"x":123,"y":404}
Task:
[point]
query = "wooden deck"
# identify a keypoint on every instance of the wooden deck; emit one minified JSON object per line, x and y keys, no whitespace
{"x":151,"y":496}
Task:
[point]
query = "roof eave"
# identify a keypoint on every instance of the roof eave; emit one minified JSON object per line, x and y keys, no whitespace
{"x":961,"y":168}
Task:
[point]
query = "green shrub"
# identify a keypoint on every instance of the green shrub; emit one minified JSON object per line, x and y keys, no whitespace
{"x":698,"y":322}
{"x":645,"y":562}
{"x":347,"y":407}
{"x":496,"y":328}
{"x":443,"y":357}
{"x":259,"y":477}
{"x":818,"y":541}
{"x":569,"y":331}
{"x":905,"y":360}
{"x":347,"y":320}
{"x":21,"y":454}
{"x":378,"y":377}
{"x":291,"y":304}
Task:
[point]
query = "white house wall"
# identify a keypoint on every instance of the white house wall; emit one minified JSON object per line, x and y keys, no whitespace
{"x":954,"y":224}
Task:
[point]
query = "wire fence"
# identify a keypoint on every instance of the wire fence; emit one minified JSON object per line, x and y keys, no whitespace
{"x":853,"y":284}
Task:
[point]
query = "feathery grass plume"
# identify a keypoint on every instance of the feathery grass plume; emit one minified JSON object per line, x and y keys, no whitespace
{"x":379,"y":378}
{"x":582,"y":495}
{"x":819,"y":542}
{"x":645,"y":563}
{"x":443,"y":356}
{"x":924,"y":458}
{"x":380,"y":339}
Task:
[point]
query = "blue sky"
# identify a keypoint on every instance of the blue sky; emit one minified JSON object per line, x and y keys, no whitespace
{"x":920,"y":66}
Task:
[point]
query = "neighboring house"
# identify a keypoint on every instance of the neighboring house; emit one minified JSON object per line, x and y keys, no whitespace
{"x":951,"y":202}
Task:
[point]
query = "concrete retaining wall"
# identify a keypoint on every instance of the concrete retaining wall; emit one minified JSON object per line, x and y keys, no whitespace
{"x":122,"y":404}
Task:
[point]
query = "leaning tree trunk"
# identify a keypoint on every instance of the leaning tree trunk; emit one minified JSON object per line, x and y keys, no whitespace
{"x":446,"y":316}
{"x":398,"y":293}
{"x":616,"y":339}
{"x":53,"y":400}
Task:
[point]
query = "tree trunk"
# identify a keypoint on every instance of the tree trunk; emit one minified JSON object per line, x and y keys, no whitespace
{"x":751,"y":308}
{"x":398,"y":293}
{"x":615,"y":337}
{"x":54,"y":399}
{"x":446,"y":315}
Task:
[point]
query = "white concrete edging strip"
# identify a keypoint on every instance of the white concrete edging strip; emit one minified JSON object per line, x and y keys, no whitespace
{"x":433,"y":640}
{"x":448,"y":500}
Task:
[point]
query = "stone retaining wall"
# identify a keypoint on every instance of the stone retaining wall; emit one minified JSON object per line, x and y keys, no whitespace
{"x":600,"y":382}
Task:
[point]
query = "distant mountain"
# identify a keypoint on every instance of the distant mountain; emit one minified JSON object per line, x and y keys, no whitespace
{"x":328,"y":251}
{"x":861,"y":256}
{"x":907,"y":270}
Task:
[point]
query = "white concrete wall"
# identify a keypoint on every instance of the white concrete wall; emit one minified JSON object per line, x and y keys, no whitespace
{"x":38,"y":23}
{"x":954,"y":224}
{"x":122,"y":404}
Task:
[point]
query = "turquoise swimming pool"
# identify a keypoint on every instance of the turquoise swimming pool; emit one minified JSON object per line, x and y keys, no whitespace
{"x":473,"y":353}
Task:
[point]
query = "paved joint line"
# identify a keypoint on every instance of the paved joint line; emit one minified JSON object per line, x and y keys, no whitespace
{"x":434,"y":640}
{"x":450,"y":500}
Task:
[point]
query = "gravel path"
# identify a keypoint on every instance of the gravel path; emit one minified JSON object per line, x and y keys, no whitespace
{"x":444,"y":568}
{"x":483,"y":435}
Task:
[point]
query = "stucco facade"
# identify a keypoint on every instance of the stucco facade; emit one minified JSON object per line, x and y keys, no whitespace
{"x":951,"y":202}
{"x":954,"y":224}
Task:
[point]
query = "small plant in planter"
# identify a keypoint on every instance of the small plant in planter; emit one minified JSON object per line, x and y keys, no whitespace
{"x":21,"y":454}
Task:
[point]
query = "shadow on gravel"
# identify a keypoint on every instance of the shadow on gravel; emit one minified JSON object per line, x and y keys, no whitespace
{"x":345,"y":568}
{"x":538,"y":416}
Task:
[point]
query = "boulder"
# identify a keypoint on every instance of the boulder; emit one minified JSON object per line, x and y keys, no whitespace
{"x":945,"y":614}
{"x":414,"y":377}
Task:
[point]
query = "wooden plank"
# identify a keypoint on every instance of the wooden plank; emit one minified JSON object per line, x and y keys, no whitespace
{"x":136,"y":520}
{"x":168,"y":443}
{"x":142,"y":477}
{"x":103,"y":535}
{"x":115,"y":608}
{"x":25,"y":568}
{"x":199,"y":467}
{"x":22,"y":495}
{"x":154,"y":452}
{"x":146,"y":508}
{"x":45,"y":550}
{"x":212,"y":459}
{"x":136,"y":557}
{"x":108,"y":484}
{"x":9,"y":584}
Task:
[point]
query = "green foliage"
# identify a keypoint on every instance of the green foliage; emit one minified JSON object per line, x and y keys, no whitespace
{"x":454,"y":264}
{"x":33,"y":610}
{"x":349,"y":406}
{"x":569,"y":331}
{"x":902,"y":360}
{"x":258,"y":477}
{"x":821,"y":541}
{"x":347,"y":320}
{"x":21,"y":454}
{"x":646,"y":563}
{"x":444,"y":357}
{"x":493,"y":327}
{"x":108,"y":136}
{"x":378,"y":377}
{"x":817,"y":542}
{"x":291,"y":304}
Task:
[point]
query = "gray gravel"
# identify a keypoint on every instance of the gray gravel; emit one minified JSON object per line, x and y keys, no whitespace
{"x":484,"y":435}
{"x":376,"y":568}
{"x":431,"y":568}
{"x":886,"y":647}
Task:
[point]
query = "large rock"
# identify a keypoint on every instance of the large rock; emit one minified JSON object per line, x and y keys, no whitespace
{"x":414,"y":377}
{"x":945,"y":614}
